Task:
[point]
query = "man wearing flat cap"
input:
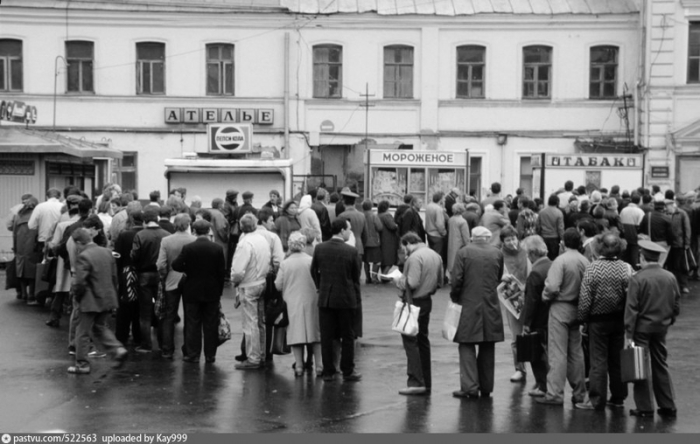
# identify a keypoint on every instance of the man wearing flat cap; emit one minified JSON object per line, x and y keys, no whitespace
{"x":653,"y":304}
{"x":476,"y":273}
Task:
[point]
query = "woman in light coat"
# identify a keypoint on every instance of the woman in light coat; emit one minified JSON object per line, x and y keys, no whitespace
{"x":299,"y":292}
{"x":308,"y":217}
{"x":458,"y":233}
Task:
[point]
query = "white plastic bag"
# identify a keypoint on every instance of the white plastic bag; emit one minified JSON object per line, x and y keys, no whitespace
{"x":451,"y":322}
{"x":405,"y":318}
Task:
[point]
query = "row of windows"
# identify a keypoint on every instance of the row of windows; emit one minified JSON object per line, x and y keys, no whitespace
{"x":328,"y":69}
{"x":471,"y":72}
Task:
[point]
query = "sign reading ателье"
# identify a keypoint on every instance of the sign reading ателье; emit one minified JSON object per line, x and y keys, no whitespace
{"x":595,"y":161}
{"x":220,"y":115}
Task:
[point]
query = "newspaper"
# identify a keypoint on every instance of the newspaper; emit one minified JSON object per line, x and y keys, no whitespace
{"x":511,"y":293}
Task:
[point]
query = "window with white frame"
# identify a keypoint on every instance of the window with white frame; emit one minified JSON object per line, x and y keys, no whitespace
{"x":11,"y":75}
{"x":398,"y":72}
{"x":537,"y":72}
{"x":603,"y":83}
{"x":328,"y":71}
{"x":220,"y":69}
{"x":150,"y":68}
{"x":471,"y":64}
{"x":80,"y":61}
{"x":694,"y":52}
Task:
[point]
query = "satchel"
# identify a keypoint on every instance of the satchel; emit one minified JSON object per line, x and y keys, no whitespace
{"x":451,"y":321}
{"x":11,"y":280}
{"x":224,"y":327}
{"x":279,"y":341}
{"x":49,"y":272}
{"x":635,"y":364}
{"x":42,"y":290}
{"x":405,"y":318}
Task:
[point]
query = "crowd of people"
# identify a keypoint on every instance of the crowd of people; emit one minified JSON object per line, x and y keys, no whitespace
{"x":595,"y":268}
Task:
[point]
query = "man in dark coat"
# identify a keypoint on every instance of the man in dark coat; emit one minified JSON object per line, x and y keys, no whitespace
{"x":477,"y":271}
{"x":653,"y":304}
{"x":535,"y":314}
{"x":321,"y":211}
{"x":204,"y":264}
{"x":230,"y":212}
{"x":411,"y":220}
{"x":95,"y":288}
{"x":335,"y":269}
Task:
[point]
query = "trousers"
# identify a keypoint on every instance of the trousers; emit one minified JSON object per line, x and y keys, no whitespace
{"x":418,"y":347}
{"x":606,"y":340}
{"x":660,"y":382}
{"x":94,"y":324}
{"x":201,"y":322}
{"x":253,"y":322}
{"x":148,"y":289}
{"x":476,"y":371}
{"x":564,"y":353}
{"x":337,"y":323}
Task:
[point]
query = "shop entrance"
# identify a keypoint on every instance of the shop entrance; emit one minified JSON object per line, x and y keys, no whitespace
{"x":687,"y":173}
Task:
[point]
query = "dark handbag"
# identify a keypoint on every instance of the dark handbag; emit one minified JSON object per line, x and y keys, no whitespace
{"x":42,"y":289}
{"x":11,"y":280}
{"x":49,"y":272}
{"x":635,"y":364}
{"x":279,"y":341}
{"x":528,"y":346}
{"x":274,"y":304}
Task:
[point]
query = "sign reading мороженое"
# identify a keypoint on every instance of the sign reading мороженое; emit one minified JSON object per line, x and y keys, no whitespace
{"x":595,"y":161}
{"x":409,"y":157}
{"x":220,"y":115}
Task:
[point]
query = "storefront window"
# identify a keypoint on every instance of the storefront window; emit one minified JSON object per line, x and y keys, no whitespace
{"x":526,"y":174}
{"x":389,"y":184}
{"x":475,"y":177}
{"x":444,"y":179}
{"x":125,"y":171}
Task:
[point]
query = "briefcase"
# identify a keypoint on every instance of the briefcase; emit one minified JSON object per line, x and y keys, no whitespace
{"x":529,"y":347}
{"x":42,"y":289}
{"x":634,"y":364}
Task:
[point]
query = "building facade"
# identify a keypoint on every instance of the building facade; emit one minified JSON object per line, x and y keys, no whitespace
{"x":324,"y":81}
{"x":669,"y":93}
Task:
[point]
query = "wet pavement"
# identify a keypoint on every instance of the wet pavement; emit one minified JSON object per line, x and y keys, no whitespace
{"x":151,"y":394}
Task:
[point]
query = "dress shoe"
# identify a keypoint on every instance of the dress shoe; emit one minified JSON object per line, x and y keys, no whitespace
{"x":120,"y":357}
{"x":33,"y":303}
{"x":210,"y":359}
{"x":413,"y":391}
{"x":247,"y":365}
{"x":240,"y":358}
{"x":667,"y":413}
{"x":143,"y":350}
{"x":549,"y":401}
{"x":55,"y":323}
{"x":97,"y":354}
{"x":518,"y":376}
{"x":166,"y":355}
{"x":352,"y":377}
{"x":616,"y":403}
{"x":71,"y":350}
{"x":190,"y":359}
{"x":329,"y":378}
{"x":642,"y":413}
{"x":463,"y":394}
{"x":485,"y":394}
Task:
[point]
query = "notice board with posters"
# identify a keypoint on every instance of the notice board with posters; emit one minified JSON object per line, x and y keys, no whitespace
{"x":395,"y":173}
{"x":594,"y":171}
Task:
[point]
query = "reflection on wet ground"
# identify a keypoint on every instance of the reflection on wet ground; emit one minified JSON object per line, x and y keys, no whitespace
{"x":151,"y":394}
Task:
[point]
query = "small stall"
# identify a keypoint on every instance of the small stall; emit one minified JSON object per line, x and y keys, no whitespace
{"x":394,"y":173}
{"x":594,"y":171}
{"x":34,"y":161}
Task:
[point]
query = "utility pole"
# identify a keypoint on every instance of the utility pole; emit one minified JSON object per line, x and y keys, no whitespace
{"x":366,"y":105}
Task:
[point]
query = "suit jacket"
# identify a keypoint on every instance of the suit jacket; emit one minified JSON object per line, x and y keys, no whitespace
{"x":95,"y":282}
{"x":204,"y":264}
{"x":535,"y":311}
{"x":335,"y":269}
{"x":411,"y":221}
{"x":653,"y":301}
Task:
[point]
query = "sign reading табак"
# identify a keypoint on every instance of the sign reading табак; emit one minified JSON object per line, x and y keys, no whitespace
{"x":220,"y":115}
{"x":594,"y":161}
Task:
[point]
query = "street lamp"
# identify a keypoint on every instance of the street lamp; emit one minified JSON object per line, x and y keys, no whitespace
{"x":55,"y":80}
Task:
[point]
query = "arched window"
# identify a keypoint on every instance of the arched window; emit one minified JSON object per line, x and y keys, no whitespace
{"x":328,"y":71}
{"x":220,"y":69}
{"x":10,"y":65}
{"x":537,"y":72}
{"x":398,"y":72}
{"x":471,"y":65}
{"x":603,"y":83}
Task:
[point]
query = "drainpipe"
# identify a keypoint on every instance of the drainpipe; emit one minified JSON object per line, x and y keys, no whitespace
{"x":286,"y":96}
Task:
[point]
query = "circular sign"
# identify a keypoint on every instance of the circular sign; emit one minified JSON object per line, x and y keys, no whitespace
{"x":229,"y":138}
{"x":327,"y":125}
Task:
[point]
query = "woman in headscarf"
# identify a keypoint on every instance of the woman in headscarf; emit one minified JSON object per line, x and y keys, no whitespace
{"x":299,"y":292}
{"x":308,"y":217}
{"x":516,"y":264}
{"x":287,"y":222}
{"x":388,"y":237}
{"x":26,"y":254}
{"x":373,"y":254}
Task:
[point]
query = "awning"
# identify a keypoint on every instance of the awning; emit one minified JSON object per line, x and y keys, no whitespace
{"x":16,"y":139}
